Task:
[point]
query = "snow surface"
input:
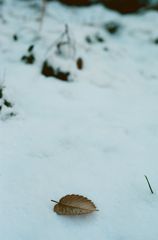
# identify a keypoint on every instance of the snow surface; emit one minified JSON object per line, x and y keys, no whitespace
{"x":96,"y":135}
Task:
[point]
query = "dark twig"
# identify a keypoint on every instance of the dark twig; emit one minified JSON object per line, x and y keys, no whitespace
{"x":54,"y":201}
{"x":152,"y":192}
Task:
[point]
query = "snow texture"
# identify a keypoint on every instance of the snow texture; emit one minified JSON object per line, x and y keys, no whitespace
{"x":95,"y":135}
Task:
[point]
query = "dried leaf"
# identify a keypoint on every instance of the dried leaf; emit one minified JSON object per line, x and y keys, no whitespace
{"x":74,"y":205}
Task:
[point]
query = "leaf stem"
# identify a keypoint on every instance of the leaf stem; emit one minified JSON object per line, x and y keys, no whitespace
{"x":152,"y":192}
{"x":54,"y":201}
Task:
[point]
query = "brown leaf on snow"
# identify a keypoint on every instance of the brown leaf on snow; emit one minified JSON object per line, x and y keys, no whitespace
{"x":74,"y":205}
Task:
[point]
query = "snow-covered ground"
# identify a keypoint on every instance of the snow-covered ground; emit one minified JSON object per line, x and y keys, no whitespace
{"x":96,"y":135}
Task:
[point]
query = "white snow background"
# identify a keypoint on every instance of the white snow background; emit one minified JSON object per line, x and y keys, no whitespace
{"x":96,"y":135}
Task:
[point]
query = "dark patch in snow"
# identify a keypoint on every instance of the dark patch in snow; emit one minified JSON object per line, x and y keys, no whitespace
{"x":79,"y":63}
{"x":7,"y":103}
{"x":29,"y":59}
{"x":8,"y":116}
{"x":4,"y":103}
{"x":49,"y":71}
{"x":30,"y":48}
{"x":94,"y":39}
{"x":88,"y":39}
{"x":1,"y":92}
{"x":112,"y":27}
{"x":15,"y":37}
{"x":99,"y":38}
{"x":156,"y":40}
{"x":12,"y":114}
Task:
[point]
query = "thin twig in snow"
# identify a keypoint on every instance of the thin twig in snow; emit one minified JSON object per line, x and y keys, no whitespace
{"x":152,"y":192}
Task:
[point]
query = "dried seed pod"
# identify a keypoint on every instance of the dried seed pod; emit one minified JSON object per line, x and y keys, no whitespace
{"x":79,"y":63}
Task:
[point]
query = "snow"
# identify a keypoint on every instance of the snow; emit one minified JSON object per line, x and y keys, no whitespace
{"x":96,"y":135}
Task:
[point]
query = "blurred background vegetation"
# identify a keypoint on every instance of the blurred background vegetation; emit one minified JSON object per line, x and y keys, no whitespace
{"x":123,"y":6}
